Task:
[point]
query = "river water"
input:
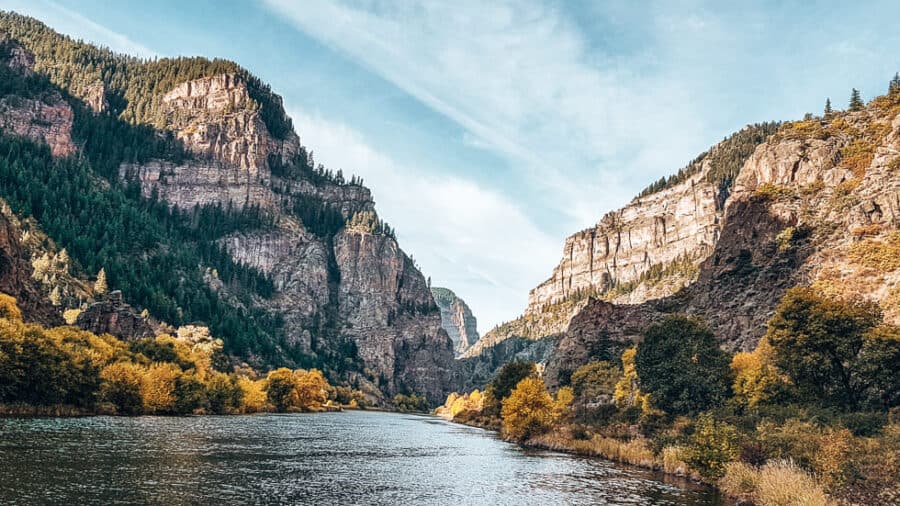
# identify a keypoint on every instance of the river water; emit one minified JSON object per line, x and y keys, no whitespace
{"x":330,"y":458}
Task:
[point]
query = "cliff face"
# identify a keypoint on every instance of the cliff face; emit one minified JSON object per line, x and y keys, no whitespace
{"x":215,"y":118}
{"x":456,"y":319}
{"x":16,"y":272}
{"x":680,"y":223}
{"x":361,"y":285}
{"x":817,"y":204}
{"x":48,"y":120}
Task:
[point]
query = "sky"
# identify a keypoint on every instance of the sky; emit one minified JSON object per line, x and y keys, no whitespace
{"x":490,"y":131}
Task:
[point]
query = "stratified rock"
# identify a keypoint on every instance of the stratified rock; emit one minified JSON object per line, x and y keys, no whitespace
{"x":456,"y":319}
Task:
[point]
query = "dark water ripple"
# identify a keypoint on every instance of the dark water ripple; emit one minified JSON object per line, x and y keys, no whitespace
{"x":333,"y":458}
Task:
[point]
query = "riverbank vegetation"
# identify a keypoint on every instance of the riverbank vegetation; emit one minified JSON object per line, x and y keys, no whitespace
{"x":811,"y":416}
{"x":68,"y":371}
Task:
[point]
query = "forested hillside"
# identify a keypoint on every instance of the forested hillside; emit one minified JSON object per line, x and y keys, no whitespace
{"x":183,"y":181}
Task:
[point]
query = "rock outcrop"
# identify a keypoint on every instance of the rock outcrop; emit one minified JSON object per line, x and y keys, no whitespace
{"x":112,"y":315}
{"x":216,"y":118}
{"x":457,"y":319}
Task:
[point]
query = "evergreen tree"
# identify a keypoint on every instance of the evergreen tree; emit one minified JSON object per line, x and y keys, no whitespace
{"x":894,"y":87}
{"x":100,"y":286}
{"x":828,"y":109}
{"x":856,"y":103}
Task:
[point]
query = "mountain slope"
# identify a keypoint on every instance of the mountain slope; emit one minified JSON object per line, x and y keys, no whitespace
{"x":211,"y":210}
{"x":817,"y":203}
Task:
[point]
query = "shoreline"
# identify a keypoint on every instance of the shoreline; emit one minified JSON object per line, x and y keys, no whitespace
{"x":657,"y":466}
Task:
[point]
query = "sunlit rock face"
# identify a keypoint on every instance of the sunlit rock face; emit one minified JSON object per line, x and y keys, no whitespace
{"x":817,"y":203}
{"x":457,"y":319}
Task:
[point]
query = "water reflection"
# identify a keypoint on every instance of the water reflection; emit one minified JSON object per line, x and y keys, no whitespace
{"x":335,"y":458}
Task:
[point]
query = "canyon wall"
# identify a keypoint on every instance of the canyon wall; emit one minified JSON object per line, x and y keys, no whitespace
{"x":457,"y":319}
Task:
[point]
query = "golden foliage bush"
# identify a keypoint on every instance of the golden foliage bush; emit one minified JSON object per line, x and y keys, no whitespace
{"x":756,"y":378}
{"x":857,"y":157}
{"x":9,"y":309}
{"x":627,"y":393}
{"x":880,"y":255}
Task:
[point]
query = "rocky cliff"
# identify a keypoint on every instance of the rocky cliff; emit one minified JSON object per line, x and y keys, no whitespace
{"x":816,"y":204}
{"x":16,"y":272}
{"x":457,"y":319}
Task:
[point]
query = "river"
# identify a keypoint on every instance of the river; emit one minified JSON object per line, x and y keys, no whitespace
{"x":347,"y":458}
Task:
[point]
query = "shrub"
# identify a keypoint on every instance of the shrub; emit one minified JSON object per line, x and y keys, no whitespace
{"x":740,"y":480}
{"x":712,"y":445}
{"x":596,"y":379}
{"x":503,"y":384}
{"x":756,"y":378}
{"x":281,"y":389}
{"x":223,"y":393}
{"x":8,"y":308}
{"x":253,"y":395}
{"x":411,"y":402}
{"x":158,"y":388}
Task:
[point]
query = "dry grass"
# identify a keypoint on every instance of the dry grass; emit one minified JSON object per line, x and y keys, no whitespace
{"x":780,"y":483}
{"x":881,"y":256}
{"x":784,"y":484}
{"x":740,"y":480}
{"x":634,"y":451}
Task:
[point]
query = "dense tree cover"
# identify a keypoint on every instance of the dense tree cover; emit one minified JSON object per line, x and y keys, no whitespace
{"x":112,"y":228}
{"x":725,"y":159}
{"x":411,"y":402}
{"x":681,"y":366}
{"x":298,"y":390}
{"x":836,"y":352}
{"x":162,"y":375}
{"x":134,"y":87}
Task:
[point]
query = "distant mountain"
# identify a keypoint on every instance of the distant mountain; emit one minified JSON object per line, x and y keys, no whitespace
{"x":184,"y":180}
{"x":456,"y":319}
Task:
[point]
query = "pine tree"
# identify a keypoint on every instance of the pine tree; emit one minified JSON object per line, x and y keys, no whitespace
{"x":856,"y":103}
{"x":100,"y":286}
{"x":828,"y":109}
{"x":895,"y":84}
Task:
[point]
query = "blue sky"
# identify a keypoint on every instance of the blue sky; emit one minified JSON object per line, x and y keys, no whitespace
{"x":489,"y":133}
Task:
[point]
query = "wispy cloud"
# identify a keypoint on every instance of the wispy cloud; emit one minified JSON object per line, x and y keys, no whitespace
{"x":73,"y":23}
{"x":519,"y":78}
{"x":446,"y":222}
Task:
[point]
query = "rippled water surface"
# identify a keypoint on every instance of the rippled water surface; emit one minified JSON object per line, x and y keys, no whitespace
{"x":333,"y":458}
